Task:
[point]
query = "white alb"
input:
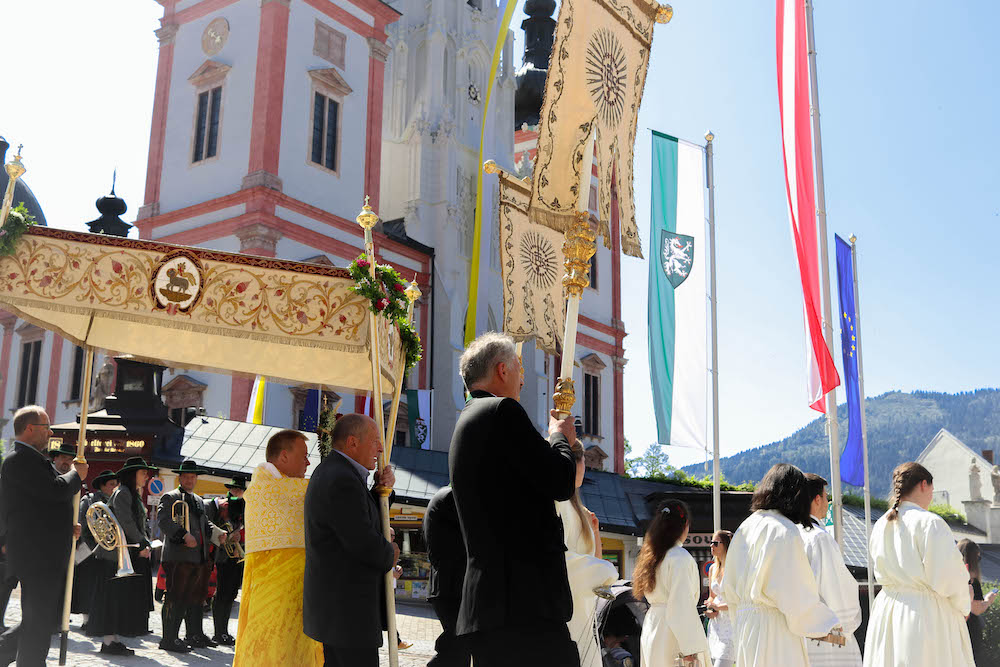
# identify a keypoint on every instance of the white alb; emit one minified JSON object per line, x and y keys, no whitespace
{"x":672,"y":626}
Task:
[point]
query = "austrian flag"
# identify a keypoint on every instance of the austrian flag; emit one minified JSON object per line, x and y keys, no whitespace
{"x":796,"y":138}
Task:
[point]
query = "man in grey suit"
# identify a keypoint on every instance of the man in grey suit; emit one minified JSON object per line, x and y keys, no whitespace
{"x":346,"y":555}
{"x":186,"y":562}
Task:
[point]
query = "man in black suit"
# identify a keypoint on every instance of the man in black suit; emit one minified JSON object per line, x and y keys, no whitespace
{"x":346,"y":556}
{"x":38,"y":512}
{"x":516,"y":599}
{"x":446,"y":552}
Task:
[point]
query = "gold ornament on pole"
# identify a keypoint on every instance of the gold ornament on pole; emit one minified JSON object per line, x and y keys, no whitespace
{"x":368,"y":218}
{"x":15,"y":169}
{"x":664,"y":14}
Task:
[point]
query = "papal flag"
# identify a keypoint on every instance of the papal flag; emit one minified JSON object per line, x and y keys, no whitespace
{"x":531,"y":270}
{"x":255,"y":410}
{"x":678,"y":294}
{"x":594,"y":84}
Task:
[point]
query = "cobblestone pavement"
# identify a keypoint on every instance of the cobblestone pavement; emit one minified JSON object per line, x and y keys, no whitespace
{"x":417,"y":624}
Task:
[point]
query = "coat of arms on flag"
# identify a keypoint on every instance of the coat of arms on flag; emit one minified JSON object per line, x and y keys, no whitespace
{"x":531,"y":265}
{"x":676,"y":256}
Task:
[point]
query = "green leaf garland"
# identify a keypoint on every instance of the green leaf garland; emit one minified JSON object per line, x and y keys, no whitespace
{"x":17,"y":223}
{"x":386,"y":294}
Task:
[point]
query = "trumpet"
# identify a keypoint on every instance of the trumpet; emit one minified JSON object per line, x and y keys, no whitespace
{"x":110,"y":536}
{"x":233,"y":549}
{"x":182,"y":516}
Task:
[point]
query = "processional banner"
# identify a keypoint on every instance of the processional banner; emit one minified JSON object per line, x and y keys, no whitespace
{"x":197,"y":308}
{"x":531,"y":268}
{"x":594,"y":85}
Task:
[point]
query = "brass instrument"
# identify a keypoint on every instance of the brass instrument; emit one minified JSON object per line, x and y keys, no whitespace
{"x":183,"y":516}
{"x":109,"y":535}
{"x":233,"y":549}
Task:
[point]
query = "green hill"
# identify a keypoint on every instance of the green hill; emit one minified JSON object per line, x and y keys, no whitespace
{"x":899,"y":427}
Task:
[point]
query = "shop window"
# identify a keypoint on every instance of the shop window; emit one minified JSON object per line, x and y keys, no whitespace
{"x":27,"y":382}
{"x":206,"y":131}
{"x":76,"y":379}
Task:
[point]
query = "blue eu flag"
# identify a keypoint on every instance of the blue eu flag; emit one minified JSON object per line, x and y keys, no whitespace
{"x":852,"y":458}
{"x":309,"y":417}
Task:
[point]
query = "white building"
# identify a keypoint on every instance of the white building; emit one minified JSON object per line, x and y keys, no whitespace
{"x":950,"y":461}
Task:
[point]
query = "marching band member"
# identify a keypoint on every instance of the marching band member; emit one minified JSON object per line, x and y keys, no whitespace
{"x":187,"y":533}
{"x":919,"y":616}
{"x":270,"y":624}
{"x":228,"y":513}
{"x":121,"y":605}
{"x":837,"y":588}
{"x":85,"y":573}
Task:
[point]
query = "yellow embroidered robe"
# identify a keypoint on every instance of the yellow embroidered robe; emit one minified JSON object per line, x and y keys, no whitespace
{"x":270,"y":624}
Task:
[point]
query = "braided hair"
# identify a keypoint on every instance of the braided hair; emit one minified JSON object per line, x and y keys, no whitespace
{"x":906,"y":477}
{"x":664,"y":532}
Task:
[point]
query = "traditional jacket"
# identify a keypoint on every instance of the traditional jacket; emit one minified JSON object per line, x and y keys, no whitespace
{"x":221,"y":511}
{"x":199,"y":525}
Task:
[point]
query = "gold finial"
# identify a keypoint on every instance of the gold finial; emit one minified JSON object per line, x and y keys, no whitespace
{"x":367,"y":218}
{"x":709,"y":136}
{"x":412,"y":291}
{"x":854,"y":239}
{"x":564,"y":396}
{"x":490,"y":167}
{"x":664,"y":14}
{"x":578,"y":248}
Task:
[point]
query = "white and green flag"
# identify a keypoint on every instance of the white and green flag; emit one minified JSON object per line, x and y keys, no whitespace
{"x":418,"y":410}
{"x":678,"y":293}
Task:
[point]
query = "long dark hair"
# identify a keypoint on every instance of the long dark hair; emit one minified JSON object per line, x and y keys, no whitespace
{"x":784,"y":489}
{"x":665,"y":530}
{"x":971,"y":555}
{"x":906,"y":477}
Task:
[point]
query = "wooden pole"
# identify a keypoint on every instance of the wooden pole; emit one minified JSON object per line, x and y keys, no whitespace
{"x":81,"y":443}
{"x":367,"y":219}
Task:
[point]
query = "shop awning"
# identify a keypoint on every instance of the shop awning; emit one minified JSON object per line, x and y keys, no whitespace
{"x":197,"y":308}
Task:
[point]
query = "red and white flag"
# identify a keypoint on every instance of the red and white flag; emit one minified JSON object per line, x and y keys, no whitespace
{"x":797,"y":143}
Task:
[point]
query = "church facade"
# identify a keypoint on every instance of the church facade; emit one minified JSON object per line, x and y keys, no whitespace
{"x":272,"y":120}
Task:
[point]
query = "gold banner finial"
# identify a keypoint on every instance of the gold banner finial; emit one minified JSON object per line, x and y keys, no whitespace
{"x":15,"y":169}
{"x":578,"y":248}
{"x":490,"y":167}
{"x":664,"y":14}
{"x":413,"y":291}
{"x":367,"y":217}
{"x":709,"y":137}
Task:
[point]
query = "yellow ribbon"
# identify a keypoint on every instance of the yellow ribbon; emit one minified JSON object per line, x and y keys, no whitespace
{"x":470,"y":313}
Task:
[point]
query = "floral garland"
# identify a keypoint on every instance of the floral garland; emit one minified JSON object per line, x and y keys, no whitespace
{"x":17,"y":223}
{"x":387,"y":294}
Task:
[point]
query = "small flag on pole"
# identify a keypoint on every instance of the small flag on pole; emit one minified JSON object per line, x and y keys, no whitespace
{"x":310,"y":411}
{"x":418,"y":410}
{"x":852,"y":469}
{"x":255,"y":410}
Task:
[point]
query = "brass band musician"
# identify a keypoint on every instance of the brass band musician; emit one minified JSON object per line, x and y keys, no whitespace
{"x":227,"y":513}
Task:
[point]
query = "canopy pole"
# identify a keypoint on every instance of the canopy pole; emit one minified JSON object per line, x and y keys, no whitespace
{"x":15,"y":169}
{"x":716,"y":474}
{"x":578,"y":247}
{"x":367,"y":219}
{"x":81,"y":444}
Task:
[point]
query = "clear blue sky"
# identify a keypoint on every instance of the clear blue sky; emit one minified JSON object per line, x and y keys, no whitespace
{"x":910,"y":103}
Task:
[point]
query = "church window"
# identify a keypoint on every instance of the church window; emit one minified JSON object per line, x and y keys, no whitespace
{"x":325,"y":131}
{"x":76,"y":379}
{"x":27,"y":382}
{"x":591,"y":404}
{"x":206,"y":132}
{"x":593,"y":271}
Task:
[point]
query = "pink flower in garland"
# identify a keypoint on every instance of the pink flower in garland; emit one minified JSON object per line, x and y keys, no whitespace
{"x":381,"y":304}
{"x":363,"y":264}
{"x":398,"y":287}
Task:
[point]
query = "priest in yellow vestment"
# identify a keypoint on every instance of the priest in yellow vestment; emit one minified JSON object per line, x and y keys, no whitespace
{"x":270,"y":624}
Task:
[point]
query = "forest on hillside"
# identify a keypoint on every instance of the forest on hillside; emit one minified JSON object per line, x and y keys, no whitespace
{"x":899,"y":427}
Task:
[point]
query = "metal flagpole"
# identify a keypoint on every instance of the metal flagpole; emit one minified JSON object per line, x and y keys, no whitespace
{"x":833,"y":428}
{"x":864,"y":430}
{"x":81,"y":443}
{"x":367,"y":219}
{"x":716,"y":475}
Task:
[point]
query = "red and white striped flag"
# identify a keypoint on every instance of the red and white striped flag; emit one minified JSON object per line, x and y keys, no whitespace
{"x":796,"y":139}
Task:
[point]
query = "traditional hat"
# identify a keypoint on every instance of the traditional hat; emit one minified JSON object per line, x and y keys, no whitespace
{"x":104,"y":477}
{"x":63,"y":450}
{"x":189,"y":465}
{"x":238,"y":483}
{"x":135,"y":463}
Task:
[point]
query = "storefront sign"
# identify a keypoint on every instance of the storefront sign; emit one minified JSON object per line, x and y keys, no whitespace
{"x":702,"y":540}
{"x":121,"y":446}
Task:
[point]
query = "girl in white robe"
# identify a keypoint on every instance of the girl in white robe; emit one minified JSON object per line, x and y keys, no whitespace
{"x":919,"y":616}
{"x":585,"y":567}
{"x":720,"y":624}
{"x":768,"y":583}
{"x":838,"y":588}
{"x":667,"y":576}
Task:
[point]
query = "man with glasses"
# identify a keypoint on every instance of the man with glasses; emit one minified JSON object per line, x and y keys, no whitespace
{"x":37,"y":507}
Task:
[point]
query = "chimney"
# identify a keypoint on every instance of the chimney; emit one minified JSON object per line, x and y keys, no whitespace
{"x":988,"y":455}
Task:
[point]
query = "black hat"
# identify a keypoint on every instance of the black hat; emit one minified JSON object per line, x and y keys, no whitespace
{"x":135,"y":463}
{"x":104,"y":477}
{"x":238,"y":483}
{"x":64,"y":450}
{"x":189,"y":465}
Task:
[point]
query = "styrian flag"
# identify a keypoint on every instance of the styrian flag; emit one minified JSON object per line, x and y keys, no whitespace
{"x":255,"y":411}
{"x":678,"y":294}
{"x":797,"y":142}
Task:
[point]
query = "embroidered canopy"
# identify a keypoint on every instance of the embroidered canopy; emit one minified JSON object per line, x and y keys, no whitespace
{"x":198,"y":308}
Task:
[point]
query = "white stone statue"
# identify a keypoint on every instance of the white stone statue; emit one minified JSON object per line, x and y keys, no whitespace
{"x":104,"y":385}
{"x":995,"y":477}
{"x":975,"y":482}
